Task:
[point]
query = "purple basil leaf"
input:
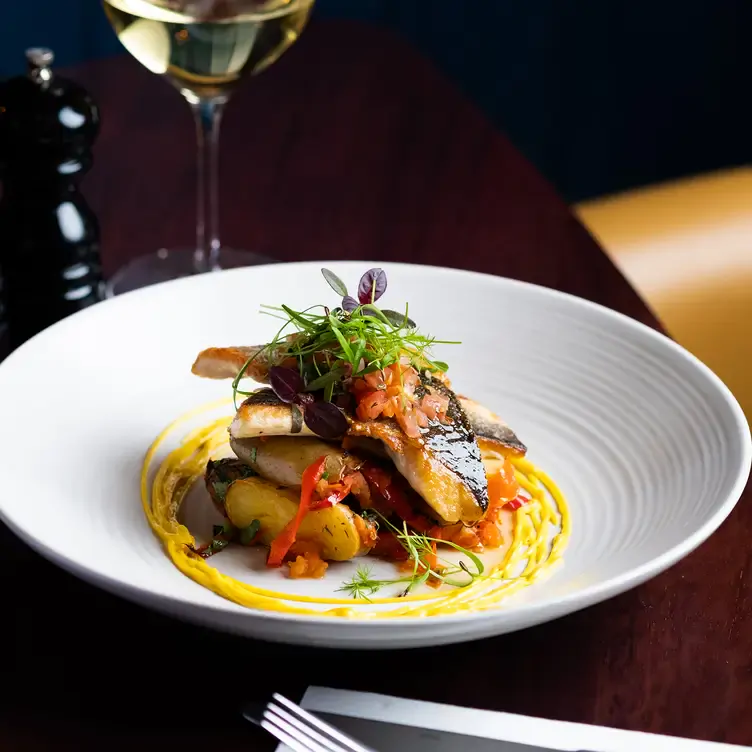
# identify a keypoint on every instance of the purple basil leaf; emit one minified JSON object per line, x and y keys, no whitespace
{"x":335,"y":282}
{"x":372,"y":286}
{"x":326,"y":420}
{"x":345,"y":401}
{"x":285,"y":382}
{"x":303,"y":399}
{"x":349,"y":304}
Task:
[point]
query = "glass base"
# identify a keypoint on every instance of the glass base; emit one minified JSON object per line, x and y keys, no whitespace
{"x":165,"y":265}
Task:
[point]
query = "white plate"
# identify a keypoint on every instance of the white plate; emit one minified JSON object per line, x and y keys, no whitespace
{"x":650,"y":448}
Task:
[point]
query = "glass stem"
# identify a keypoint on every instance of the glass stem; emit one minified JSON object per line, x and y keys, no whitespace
{"x":208,"y":114}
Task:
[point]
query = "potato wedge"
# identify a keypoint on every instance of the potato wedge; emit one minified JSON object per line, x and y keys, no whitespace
{"x":334,"y":531}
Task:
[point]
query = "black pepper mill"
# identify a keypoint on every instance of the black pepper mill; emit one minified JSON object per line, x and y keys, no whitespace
{"x":49,"y":237}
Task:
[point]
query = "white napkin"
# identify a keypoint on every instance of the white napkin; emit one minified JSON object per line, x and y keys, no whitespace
{"x":393,"y":724}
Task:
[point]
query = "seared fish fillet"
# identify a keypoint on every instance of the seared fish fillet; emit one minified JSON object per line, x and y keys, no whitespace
{"x":226,"y":362}
{"x":490,"y":430}
{"x":283,"y":459}
{"x":444,"y":465}
{"x":264,"y":414}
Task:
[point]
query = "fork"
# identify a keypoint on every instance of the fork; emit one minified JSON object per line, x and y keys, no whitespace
{"x":300,"y":730}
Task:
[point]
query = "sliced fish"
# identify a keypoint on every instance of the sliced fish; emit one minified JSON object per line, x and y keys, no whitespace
{"x":226,"y":362}
{"x":443,"y":466}
{"x":490,"y":430}
{"x":264,"y":414}
{"x":283,"y":460}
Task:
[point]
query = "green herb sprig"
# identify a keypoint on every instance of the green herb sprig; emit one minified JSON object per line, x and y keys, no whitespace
{"x":419,"y":548}
{"x":350,"y":341}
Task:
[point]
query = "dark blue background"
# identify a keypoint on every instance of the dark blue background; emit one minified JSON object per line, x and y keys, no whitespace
{"x":601,"y":95}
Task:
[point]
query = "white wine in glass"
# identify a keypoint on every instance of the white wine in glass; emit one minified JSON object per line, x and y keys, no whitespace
{"x":204,"y":48}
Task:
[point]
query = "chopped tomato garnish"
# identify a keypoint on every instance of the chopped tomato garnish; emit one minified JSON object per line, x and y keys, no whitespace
{"x":502,"y":485}
{"x":394,"y":497}
{"x":371,"y":405}
{"x":434,"y":405}
{"x":458,"y":534}
{"x":282,"y":543}
{"x":390,"y":393}
{"x":366,"y":531}
{"x":307,"y":564}
{"x":489,"y":534}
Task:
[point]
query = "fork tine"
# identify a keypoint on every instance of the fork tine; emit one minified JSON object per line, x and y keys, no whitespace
{"x":284,"y":737}
{"x":313,"y":722}
{"x":303,"y":733}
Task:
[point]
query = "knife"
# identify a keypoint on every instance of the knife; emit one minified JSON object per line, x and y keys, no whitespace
{"x":395,"y":737}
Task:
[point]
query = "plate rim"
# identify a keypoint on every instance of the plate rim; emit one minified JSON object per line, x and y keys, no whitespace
{"x":565,"y":604}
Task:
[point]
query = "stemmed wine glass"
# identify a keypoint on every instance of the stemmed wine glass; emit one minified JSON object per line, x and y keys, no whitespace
{"x":204,"y":48}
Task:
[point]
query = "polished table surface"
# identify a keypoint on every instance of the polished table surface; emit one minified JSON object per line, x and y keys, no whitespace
{"x":354,"y":146}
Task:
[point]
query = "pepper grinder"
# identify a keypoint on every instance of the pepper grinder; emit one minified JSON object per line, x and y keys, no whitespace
{"x":49,"y":237}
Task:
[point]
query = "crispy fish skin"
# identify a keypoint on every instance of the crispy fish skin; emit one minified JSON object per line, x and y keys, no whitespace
{"x":449,"y":498}
{"x":490,"y":430}
{"x":444,"y":466}
{"x":454,"y":445}
{"x":264,"y":414}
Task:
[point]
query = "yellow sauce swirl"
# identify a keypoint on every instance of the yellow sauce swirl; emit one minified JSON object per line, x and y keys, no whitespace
{"x":531,"y":549}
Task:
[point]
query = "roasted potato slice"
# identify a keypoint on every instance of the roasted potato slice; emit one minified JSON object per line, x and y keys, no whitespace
{"x":336,"y":532}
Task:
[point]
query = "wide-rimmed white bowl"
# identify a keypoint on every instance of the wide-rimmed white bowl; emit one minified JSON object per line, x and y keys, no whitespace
{"x":650,"y":448}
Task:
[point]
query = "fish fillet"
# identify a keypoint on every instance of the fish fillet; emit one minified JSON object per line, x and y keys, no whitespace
{"x":284,"y":459}
{"x":490,"y":430}
{"x":444,"y":466}
{"x":264,"y":414}
{"x":226,"y":362}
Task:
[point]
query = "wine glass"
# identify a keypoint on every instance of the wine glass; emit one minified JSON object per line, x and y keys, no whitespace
{"x":204,"y":48}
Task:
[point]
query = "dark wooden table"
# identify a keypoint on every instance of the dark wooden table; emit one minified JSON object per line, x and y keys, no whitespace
{"x":353,"y":146}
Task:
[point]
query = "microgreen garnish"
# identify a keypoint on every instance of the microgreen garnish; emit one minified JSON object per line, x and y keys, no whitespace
{"x":318,"y":351}
{"x":349,"y":303}
{"x":335,"y":282}
{"x":286,"y":383}
{"x":325,"y":419}
{"x":420,"y":549}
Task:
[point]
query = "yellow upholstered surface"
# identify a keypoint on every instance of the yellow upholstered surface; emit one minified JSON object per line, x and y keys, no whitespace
{"x":686,"y":247}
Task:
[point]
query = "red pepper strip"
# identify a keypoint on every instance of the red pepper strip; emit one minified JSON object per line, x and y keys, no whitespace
{"x":336,"y":494}
{"x":320,"y":504}
{"x":394,"y":497}
{"x":520,"y":501}
{"x":282,"y":543}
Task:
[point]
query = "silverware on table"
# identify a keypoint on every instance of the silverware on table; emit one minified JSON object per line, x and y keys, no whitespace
{"x":300,"y":730}
{"x":303,"y":732}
